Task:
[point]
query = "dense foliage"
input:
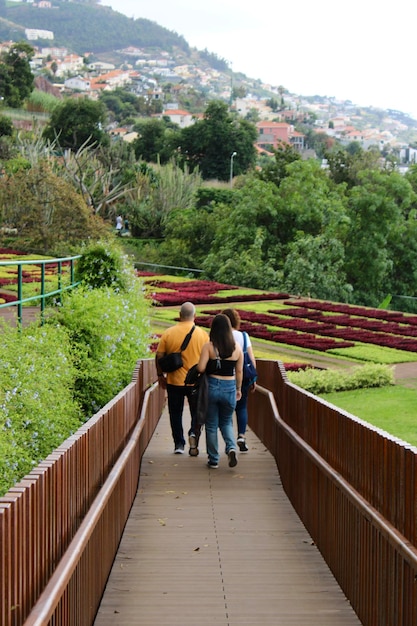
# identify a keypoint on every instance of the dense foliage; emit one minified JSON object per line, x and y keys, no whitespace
{"x":209,"y":143}
{"x":77,"y":123}
{"x":54,"y":377}
{"x":297,"y":228}
{"x":16,"y":78}
{"x":37,"y":408}
{"x":46,"y":209}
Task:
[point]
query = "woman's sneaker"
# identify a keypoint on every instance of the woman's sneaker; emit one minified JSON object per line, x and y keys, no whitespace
{"x":241,"y":442}
{"x":193,"y":441}
{"x":232,"y":458}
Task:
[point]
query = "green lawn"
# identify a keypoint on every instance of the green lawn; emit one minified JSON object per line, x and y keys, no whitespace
{"x":394,"y":409}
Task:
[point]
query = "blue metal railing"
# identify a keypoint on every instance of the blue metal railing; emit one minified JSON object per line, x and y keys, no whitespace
{"x":61,"y":287}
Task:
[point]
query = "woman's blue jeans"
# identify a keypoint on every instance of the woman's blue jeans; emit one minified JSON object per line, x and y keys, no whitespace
{"x":220,"y":409}
{"x":242,"y":411}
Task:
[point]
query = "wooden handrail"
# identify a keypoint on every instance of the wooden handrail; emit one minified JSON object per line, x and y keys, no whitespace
{"x":53,"y":592}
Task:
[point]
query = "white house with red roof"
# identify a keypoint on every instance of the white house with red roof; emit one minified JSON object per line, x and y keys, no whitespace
{"x":179,"y":116}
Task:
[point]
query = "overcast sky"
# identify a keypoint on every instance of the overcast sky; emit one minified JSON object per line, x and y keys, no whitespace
{"x":359,"y":50}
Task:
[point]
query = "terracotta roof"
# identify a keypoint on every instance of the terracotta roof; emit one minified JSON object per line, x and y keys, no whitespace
{"x":175,"y":112}
{"x":273,"y":124}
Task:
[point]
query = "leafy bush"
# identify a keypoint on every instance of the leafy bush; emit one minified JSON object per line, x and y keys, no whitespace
{"x":54,"y":377}
{"x":328,"y":381}
{"x":103,"y":264}
{"x":37,"y":408}
{"x":108,"y":326}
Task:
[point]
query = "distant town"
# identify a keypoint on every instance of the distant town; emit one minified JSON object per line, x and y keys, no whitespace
{"x":276,"y":113}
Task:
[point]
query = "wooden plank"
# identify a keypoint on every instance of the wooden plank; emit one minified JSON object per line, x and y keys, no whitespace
{"x":217,"y":546}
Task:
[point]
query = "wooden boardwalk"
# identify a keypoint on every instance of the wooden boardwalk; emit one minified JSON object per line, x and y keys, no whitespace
{"x":217,"y":547}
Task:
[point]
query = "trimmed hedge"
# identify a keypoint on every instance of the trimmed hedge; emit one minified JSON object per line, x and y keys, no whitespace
{"x":328,"y":381}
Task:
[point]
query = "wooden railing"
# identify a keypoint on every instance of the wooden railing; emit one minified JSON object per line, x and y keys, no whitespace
{"x":355,"y":489}
{"x":353,"y":486}
{"x":61,"y":525}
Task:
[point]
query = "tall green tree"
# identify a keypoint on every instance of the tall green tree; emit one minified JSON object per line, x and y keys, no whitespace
{"x":76,"y":123}
{"x":346,"y":165}
{"x":16,"y":78}
{"x":274,"y":169}
{"x":314,"y":266}
{"x":245,"y":245}
{"x":377,"y":210}
{"x":157,"y":140}
{"x":209,"y":143}
{"x":309,"y":204}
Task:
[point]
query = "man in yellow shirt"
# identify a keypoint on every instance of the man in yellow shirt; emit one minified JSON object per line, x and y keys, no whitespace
{"x":173,"y":382}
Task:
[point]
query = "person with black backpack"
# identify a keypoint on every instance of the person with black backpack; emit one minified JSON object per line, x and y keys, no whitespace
{"x":178,"y":350}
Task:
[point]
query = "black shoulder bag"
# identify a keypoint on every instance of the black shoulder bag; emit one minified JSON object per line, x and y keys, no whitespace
{"x":173,"y":361}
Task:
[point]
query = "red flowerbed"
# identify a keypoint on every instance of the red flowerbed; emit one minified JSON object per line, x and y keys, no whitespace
{"x":350,"y":309}
{"x":305,"y":325}
{"x":202,"y":292}
{"x":293,"y":338}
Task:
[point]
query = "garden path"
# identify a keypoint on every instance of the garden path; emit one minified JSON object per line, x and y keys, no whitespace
{"x":29,"y":314}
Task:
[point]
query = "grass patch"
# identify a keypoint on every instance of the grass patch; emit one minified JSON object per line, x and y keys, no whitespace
{"x":392,"y":409}
{"x":376,"y":354}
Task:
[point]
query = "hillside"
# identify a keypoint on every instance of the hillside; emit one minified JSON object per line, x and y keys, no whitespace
{"x":104,"y":34}
{"x":86,"y":28}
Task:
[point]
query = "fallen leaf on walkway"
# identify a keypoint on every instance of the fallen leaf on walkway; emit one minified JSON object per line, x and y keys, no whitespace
{"x":162,"y":522}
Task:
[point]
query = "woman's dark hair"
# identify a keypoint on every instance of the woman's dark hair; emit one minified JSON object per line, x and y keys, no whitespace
{"x":233,"y":316}
{"x":221,"y":335}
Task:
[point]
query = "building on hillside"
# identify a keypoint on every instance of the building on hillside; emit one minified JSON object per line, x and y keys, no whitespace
{"x":408,"y":155}
{"x":77,"y":83}
{"x":114,"y":79}
{"x":178,"y":116}
{"x":270,"y":134}
{"x":32,"y":34}
{"x":100,"y":66}
{"x":69,"y":64}
{"x":54,"y":52}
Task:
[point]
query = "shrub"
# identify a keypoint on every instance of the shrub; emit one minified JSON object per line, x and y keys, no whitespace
{"x":328,"y":381}
{"x":54,"y":377}
{"x":109,"y":332}
{"x":37,"y":408}
{"x":103,"y":264}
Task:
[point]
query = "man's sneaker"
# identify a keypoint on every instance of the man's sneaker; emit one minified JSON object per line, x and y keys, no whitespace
{"x":193,"y":441}
{"x":241,"y":442}
{"x":212,"y":464}
{"x":232,"y":458}
{"x":179,"y":448}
